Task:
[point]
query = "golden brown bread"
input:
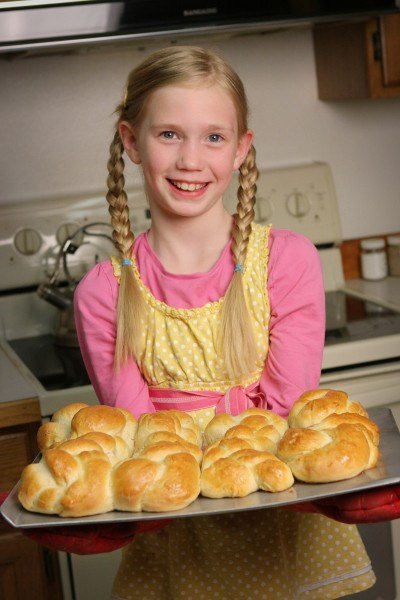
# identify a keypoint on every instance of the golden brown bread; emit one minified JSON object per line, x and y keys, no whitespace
{"x":330,"y":438}
{"x":70,"y":480}
{"x":263,"y":427}
{"x":97,"y":459}
{"x":170,"y":483}
{"x":172,"y":421}
{"x":94,"y":471}
{"x":239,"y":457}
{"x":157,"y":441}
{"x":232,"y":467}
{"x":327,"y":455}
{"x":313,"y":406}
{"x":59,"y":428}
{"x":334,"y":420}
{"x":75,"y":420}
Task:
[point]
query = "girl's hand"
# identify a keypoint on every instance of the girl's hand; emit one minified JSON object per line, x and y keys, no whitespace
{"x":89,"y":539}
{"x":369,"y":506}
{"x":84,"y":539}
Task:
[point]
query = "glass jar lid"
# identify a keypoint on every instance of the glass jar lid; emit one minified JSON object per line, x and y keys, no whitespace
{"x":373,"y":244}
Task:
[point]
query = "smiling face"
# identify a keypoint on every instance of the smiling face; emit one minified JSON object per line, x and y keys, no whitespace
{"x":188,"y":146}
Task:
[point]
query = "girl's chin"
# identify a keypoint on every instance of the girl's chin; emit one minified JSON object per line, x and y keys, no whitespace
{"x":182,"y":208}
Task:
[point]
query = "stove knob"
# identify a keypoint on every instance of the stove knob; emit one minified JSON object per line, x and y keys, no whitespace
{"x":297,"y":204}
{"x":66,"y":230}
{"x":28,"y":241}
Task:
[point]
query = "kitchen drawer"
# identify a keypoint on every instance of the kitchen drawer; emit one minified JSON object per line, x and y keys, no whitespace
{"x":19,"y":423}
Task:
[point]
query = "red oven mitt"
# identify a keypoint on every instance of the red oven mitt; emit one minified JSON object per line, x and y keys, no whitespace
{"x":89,"y":539}
{"x":369,"y":506}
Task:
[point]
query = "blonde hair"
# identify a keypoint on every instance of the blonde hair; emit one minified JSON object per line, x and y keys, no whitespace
{"x":169,"y":66}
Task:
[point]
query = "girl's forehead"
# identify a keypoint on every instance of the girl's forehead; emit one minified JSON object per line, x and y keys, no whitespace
{"x":207,"y":88}
{"x":196,"y":98}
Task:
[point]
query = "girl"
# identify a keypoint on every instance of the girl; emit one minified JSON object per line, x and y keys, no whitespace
{"x":208,"y":313}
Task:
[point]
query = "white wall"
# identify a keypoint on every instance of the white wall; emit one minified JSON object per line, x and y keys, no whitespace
{"x":56,"y":124}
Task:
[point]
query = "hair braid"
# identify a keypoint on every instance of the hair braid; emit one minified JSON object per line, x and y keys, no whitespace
{"x":131,"y":306}
{"x":118,"y":200}
{"x":248,"y":174}
{"x":236,"y":334}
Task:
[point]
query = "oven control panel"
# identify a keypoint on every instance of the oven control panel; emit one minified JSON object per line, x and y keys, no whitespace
{"x":31,"y":239}
{"x":301,"y":198}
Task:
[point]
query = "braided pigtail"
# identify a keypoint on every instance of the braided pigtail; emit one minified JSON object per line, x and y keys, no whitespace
{"x":131,"y":306}
{"x":236,"y":335}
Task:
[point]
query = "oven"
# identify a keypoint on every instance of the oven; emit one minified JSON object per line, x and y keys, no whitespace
{"x":46,"y":247}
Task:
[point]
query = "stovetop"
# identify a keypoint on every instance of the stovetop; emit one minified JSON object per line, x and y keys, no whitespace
{"x":352,"y":319}
{"x":56,"y":367}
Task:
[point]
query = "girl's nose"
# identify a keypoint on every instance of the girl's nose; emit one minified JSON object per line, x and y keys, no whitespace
{"x":190,"y":156}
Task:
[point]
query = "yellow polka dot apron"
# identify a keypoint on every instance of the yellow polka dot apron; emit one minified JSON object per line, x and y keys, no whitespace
{"x":254,"y":555}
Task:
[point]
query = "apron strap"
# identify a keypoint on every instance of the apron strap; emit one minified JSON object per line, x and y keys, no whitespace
{"x":234,"y":401}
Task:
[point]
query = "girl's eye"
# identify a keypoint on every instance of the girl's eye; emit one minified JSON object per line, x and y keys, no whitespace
{"x":214,"y":137}
{"x":168,"y":135}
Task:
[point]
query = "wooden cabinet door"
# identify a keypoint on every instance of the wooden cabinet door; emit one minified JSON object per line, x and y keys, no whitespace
{"x":358,"y":59}
{"x":27,"y":570}
{"x":390,"y":42}
{"x":20,"y":576}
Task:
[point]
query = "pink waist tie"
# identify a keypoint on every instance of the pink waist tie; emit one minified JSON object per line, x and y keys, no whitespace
{"x":234,"y":401}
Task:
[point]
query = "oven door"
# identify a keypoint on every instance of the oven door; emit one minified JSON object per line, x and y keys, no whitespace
{"x":376,"y":385}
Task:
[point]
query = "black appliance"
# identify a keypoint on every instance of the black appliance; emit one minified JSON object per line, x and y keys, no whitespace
{"x":33,"y":24}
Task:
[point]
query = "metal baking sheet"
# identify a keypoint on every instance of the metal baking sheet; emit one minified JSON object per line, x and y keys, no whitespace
{"x":386,"y":472}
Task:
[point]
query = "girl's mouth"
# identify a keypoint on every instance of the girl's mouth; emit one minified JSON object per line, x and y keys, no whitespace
{"x":188,"y":187}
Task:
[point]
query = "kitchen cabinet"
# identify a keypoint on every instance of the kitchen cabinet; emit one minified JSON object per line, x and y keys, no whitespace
{"x":27,"y":570}
{"x":358,"y":59}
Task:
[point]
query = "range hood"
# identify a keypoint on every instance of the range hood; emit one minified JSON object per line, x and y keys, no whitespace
{"x":32,"y":24}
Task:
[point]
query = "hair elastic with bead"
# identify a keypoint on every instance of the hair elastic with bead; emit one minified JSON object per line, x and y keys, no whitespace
{"x":126,"y":262}
{"x":238,"y":268}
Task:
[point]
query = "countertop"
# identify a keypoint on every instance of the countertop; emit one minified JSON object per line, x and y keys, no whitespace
{"x":384,"y":291}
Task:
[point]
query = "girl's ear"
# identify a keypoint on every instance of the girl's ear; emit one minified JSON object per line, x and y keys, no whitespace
{"x":243,"y":147}
{"x":129,"y":139}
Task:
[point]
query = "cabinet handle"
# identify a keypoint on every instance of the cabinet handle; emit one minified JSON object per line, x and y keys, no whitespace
{"x":377,"y":46}
{"x":48,"y":565}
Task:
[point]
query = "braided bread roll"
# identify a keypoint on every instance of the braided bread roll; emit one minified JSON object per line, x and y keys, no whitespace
{"x":362,"y":421}
{"x":164,"y":476}
{"x":313,"y":406}
{"x":262,"y":427}
{"x":96,"y":472}
{"x":233,"y":467}
{"x":339,"y":443}
{"x":172,"y":421}
{"x":162,"y":439}
{"x":71,"y":480}
{"x":74,"y":420}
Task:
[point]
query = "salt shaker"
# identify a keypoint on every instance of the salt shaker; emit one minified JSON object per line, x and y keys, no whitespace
{"x":374,"y":264}
{"x":394,"y":255}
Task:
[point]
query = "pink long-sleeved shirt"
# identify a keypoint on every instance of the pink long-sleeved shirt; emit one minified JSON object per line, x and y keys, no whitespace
{"x":297,"y":322}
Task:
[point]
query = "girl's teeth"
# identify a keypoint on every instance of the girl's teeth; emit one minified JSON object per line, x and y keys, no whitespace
{"x":188,"y":187}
